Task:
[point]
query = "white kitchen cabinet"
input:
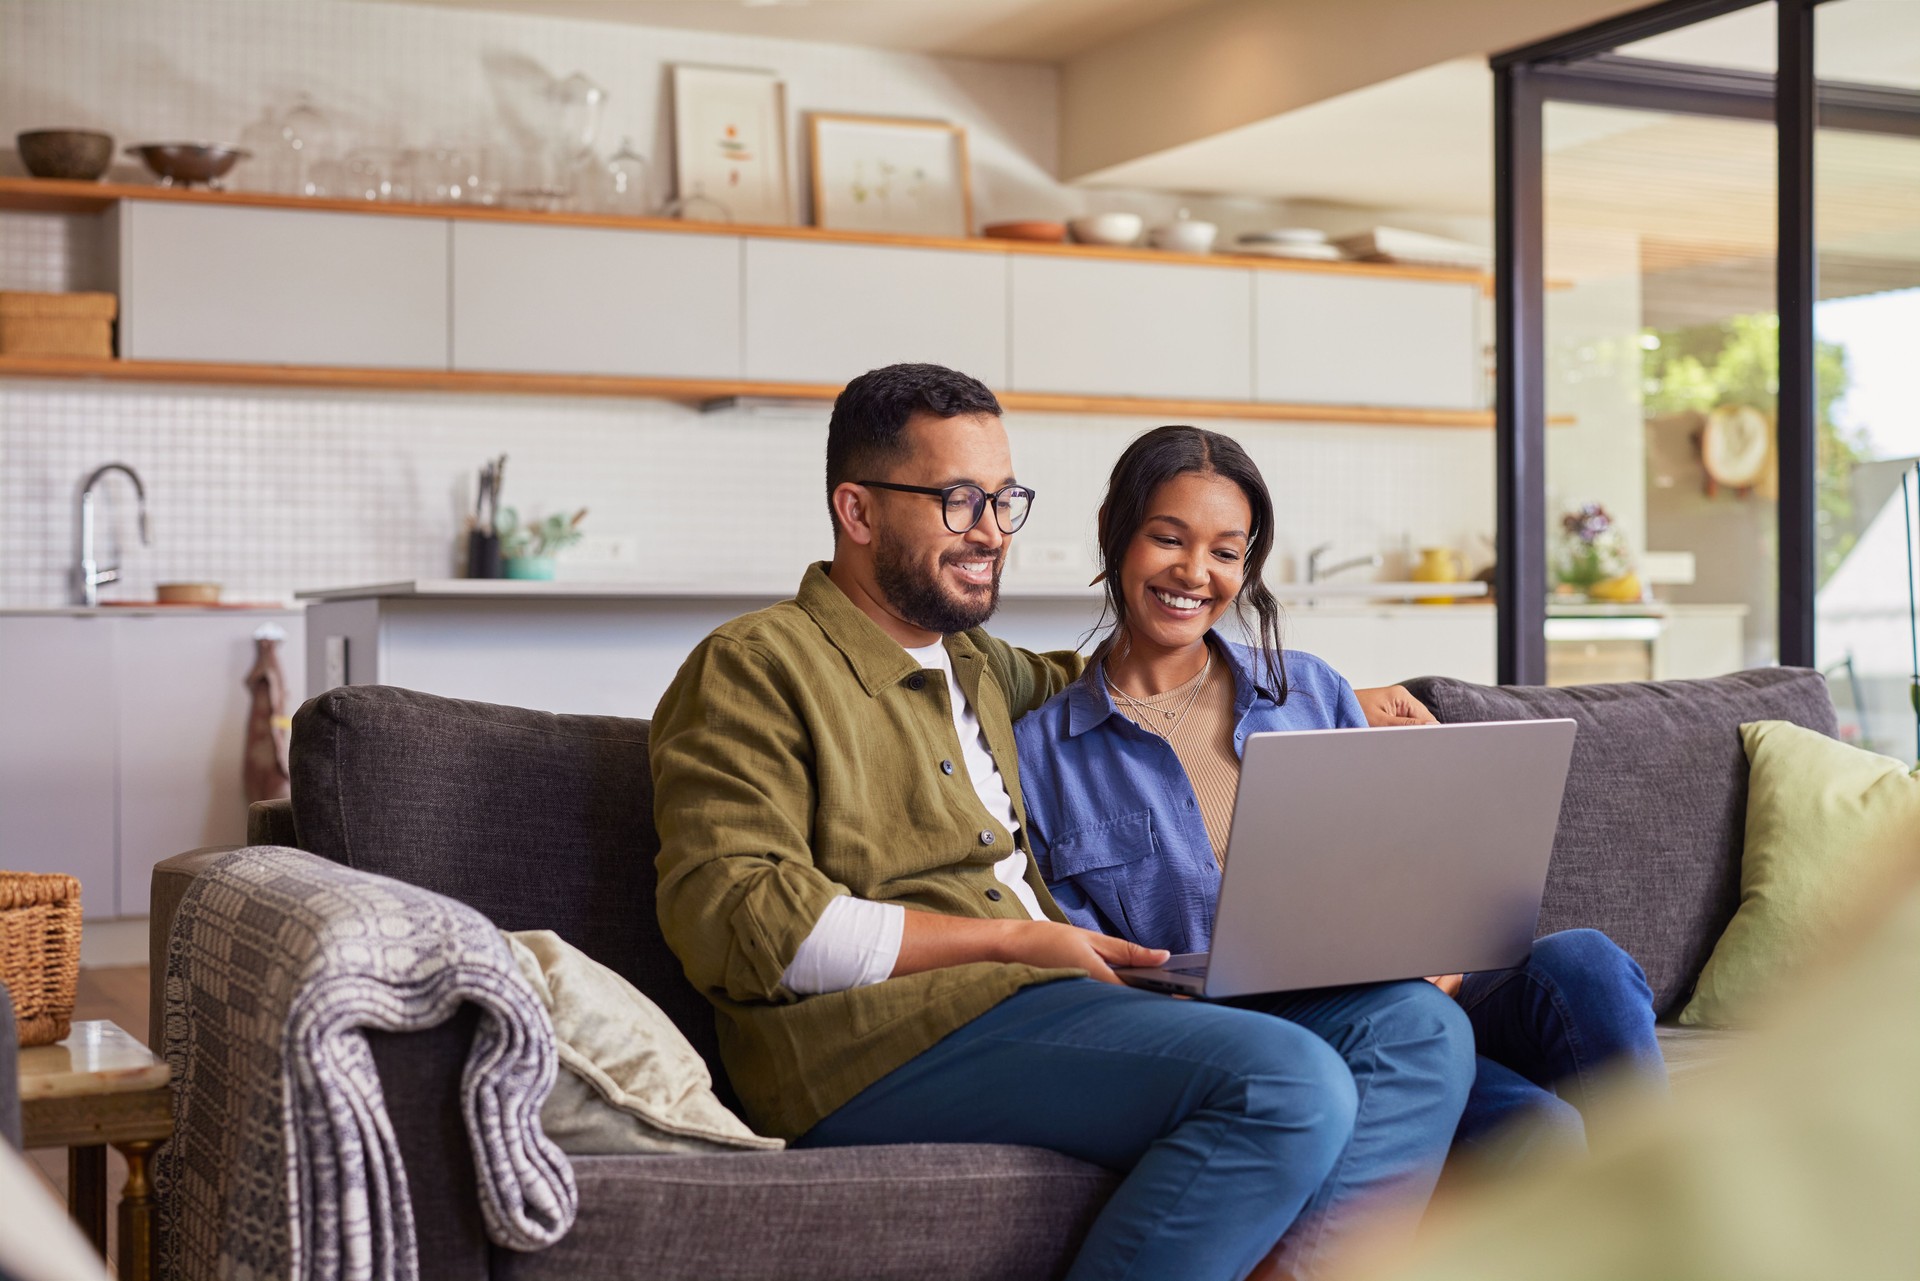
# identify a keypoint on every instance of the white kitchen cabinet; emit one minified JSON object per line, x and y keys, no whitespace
{"x":825,"y":313}
{"x":1114,"y":328}
{"x":124,"y":738}
{"x":57,"y":750}
{"x":182,"y":736}
{"x":1387,"y":644}
{"x":589,"y":300}
{"x":281,"y":286}
{"x":1326,"y":339}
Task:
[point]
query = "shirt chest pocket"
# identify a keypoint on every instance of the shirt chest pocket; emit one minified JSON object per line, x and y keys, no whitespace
{"x":1112,"y":861}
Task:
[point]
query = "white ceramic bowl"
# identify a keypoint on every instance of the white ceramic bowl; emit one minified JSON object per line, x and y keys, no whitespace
{"x":1187,"y":236}
{"x":1106,"y":229}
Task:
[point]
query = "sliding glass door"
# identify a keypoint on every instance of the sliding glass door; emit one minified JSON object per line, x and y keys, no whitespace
{"x":1708,"y":280}
{"x":1867,"y":333}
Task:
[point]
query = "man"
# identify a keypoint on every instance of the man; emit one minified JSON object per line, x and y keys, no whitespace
{"x":843,"y":872}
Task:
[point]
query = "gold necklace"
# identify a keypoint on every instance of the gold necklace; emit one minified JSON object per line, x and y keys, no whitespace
{"x":1141,"y":707}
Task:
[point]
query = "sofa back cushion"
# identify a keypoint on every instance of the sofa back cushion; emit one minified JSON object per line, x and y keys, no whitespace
{"x":539,"y":821}
{"x":1651,"y":828}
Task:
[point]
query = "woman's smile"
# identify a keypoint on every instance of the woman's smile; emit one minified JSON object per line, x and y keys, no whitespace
{"x":1182,"y":570}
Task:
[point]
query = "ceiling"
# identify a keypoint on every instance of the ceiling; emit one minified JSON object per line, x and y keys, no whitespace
{"x":1424,"y":139}
{"x":1020,"y":30}
{"x":1863,"y":41}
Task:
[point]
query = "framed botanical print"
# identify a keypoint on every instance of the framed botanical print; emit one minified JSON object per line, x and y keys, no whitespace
{"x":881,"y":173}
{"x":730,"y":142}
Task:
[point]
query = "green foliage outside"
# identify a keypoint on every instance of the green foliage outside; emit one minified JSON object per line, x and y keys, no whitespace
{"x":1738,"y":362}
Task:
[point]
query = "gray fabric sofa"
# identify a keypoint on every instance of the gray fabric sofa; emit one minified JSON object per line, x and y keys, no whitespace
{"x":545,"y":822}
{"x":9,"y":1072}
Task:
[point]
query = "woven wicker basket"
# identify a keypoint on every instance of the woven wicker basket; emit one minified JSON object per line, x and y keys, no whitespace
{"x":78,"y":324}
{"x":40,"y":951}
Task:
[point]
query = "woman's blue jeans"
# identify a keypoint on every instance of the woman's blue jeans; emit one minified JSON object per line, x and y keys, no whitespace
{"x":1230,"y":1124}
{"x":1578,"y":1011}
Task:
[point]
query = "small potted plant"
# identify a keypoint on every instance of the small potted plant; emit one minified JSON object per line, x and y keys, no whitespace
{"x":529,"y":549}
{"x":1593,"y":560}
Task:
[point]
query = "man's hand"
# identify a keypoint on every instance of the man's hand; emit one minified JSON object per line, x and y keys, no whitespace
{"x":1392,"y":705}
{"x":1449,"y":983}
{"x":933,"y":940}
{"x":1054,"y":946}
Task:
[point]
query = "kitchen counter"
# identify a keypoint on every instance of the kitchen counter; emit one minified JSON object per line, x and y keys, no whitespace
{"x":612,"y":648}
{"x":143,"y":611}
{"x":1354,"y":593}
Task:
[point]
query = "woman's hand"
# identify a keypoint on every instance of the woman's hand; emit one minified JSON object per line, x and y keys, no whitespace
{"x":1392,"y":705}
{"x":1449,"y":983}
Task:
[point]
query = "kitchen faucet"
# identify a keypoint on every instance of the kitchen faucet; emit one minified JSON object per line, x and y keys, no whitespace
{"x":1316,"y":574}
{"x":90,"y":576}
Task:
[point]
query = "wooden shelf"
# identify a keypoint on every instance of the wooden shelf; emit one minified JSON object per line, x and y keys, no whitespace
{"x":49,"y":195}
{"x":690,"y":391}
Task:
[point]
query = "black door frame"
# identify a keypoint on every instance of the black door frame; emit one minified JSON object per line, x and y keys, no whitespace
{"x":1579,"y":66}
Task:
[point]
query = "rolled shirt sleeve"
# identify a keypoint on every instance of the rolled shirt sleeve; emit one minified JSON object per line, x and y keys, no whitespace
{"x":734,"y":805}
{"x":855,"y":942}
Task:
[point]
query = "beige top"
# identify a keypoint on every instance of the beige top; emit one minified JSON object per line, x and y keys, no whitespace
{"x":1202,"y":739}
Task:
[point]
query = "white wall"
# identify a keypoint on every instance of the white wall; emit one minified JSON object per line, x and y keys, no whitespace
{"x":1593,"y":369}
{"x":270,"y":492}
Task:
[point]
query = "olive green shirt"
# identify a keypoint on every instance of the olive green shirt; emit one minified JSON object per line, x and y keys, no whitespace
{"x":798,"y":755}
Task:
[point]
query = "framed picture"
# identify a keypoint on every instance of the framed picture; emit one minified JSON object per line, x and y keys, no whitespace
{"x":730,"y":142}
{"x":878,"y":173}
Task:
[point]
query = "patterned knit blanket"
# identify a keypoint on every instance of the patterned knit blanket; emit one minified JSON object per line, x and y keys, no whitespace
{"x":283,"y":1161}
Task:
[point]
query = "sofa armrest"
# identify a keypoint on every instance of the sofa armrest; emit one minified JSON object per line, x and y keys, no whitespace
{"x":9,"y":1073}
{"x":171,"y":877}
{"x":420,"y":1076}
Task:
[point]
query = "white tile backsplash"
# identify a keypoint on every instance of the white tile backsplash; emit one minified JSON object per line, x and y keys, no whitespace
{"x":272,"y":492}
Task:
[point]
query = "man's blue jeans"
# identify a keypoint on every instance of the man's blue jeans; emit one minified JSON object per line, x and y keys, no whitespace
{"x":1230,"y":1124}
{"x":1578,"y":1010}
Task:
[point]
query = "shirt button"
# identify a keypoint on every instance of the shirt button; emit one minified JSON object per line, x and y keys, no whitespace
{"x":916,"y":681}
{"x":946,"y":767}
{"x":994,"y":895}
{"x":986,"y":838}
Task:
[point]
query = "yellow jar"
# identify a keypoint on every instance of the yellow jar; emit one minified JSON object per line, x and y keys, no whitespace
{"x":1436,"y":565}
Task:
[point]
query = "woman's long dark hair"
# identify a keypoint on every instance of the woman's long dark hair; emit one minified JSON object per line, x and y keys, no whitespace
{"x":1152,"y":461}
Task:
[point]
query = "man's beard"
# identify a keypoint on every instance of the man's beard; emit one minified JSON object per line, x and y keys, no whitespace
{"x":923,"y":599}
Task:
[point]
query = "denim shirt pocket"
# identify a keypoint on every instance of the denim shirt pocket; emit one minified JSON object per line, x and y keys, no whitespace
{"x":1107,"y":860}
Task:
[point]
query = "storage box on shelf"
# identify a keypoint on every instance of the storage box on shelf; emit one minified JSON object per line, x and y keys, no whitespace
{"x":42,"y":324}
{"x":285,"y":291}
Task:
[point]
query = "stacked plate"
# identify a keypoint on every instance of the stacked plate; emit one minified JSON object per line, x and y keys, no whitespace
{"x":1289,"y":242}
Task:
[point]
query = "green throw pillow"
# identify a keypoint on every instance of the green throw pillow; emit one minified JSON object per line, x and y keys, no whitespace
{"x":1827,"y":827}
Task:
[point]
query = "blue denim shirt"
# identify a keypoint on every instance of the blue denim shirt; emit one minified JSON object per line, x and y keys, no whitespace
{"x":1114,"y":825}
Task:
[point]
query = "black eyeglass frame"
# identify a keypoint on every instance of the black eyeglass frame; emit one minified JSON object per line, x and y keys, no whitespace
{"x":945,"y":494}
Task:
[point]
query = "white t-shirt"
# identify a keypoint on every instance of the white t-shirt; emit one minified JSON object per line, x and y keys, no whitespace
{"x":856,"y":942}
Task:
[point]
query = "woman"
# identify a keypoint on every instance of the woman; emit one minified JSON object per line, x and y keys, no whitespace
{"x":1129,"y":779}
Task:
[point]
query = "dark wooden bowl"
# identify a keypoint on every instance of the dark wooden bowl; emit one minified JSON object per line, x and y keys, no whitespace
{"x":78,"y":154}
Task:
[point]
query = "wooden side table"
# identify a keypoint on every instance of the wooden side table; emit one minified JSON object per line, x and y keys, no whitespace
{"x":100,"y":1086}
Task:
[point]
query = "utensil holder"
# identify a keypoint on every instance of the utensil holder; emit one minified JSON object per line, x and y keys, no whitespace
{"x":483,"y":554}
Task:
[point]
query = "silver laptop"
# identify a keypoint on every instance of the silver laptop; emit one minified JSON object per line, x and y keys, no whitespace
{"x":1361,"y":855}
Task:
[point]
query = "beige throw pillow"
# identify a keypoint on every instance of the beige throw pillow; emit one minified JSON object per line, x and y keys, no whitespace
{"x":630,"y":1082}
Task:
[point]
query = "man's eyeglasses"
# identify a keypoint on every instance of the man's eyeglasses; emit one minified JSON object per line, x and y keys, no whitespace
{"x":962,"y":506}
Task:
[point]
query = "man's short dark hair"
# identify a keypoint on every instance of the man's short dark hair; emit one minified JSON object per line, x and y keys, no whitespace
{"x":871,"y":412}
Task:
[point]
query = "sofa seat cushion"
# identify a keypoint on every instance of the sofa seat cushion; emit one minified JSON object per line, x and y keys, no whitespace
{"x":1648,"y":847}
{"x":911,"y":1212}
